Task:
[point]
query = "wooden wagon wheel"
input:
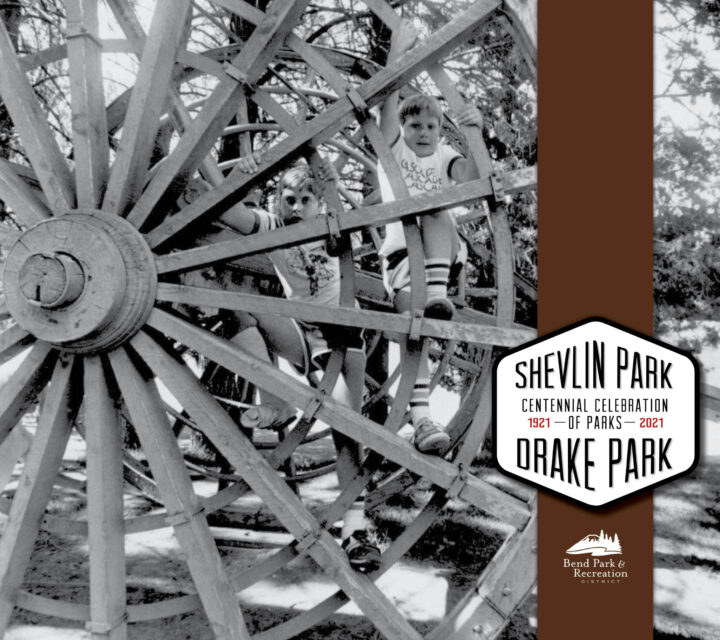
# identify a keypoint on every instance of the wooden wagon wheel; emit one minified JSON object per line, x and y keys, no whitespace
{"x":87,"y":285}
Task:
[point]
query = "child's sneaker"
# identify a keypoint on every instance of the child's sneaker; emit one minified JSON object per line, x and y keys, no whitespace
{"x":439,"y":309}
{"x":363,"y":555}
{"x":430,"y":438}
{"x":265,"y":416}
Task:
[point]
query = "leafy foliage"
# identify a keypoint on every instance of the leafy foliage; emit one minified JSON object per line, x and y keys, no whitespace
{"x":687,"y":163}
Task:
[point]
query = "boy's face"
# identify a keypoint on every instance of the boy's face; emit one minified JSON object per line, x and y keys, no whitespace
{"x":302,"y":205}
{"x":421,"y":133}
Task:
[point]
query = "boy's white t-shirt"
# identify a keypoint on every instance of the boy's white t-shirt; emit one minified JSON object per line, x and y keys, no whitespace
{"x":430,"y":173}
{"x":306,"y":271}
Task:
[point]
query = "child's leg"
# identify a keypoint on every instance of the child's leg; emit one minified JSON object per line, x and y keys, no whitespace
{"x":348,"y":391}
{"x":440,"y":245}
{"x":273,"y":410}
{"x":429,"y":437}
{"x":364,"y":556}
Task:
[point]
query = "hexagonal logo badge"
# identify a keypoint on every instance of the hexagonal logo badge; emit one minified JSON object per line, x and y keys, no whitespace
{"x":596,"y":412}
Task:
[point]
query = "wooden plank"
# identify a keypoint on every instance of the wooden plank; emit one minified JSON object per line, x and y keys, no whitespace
{"x":81,"y":612}
{"x":211,"y":63}
{"x":373,"y":216}
{"x":185,"y":514}
{"x":89,"y":124}
{"x":217,"y":111}
{"x":32,"y":126}
{"x":343,"y":419}
{"x":106,"y":526}
{"x":13,"y":340}
{"x":500,"y":589}
{"x":20,"y":197}
{"x":371,"y":289}
{"x":327,"y":123}
{"x":147,"y":102}
{"x":31,"y":497}
{"x":350,"y":317}
{"x":413,"y":236}
{"x":58,"y":52}
{"x":180,"y":116}
{"x":387,"y":159}
{"x":397,"y":550}
{"x":273,"y":491}
{"x":12,"y":449}
{"x":20,"y":391}
{"x":242,"y":9}
{"x":218,"y":426}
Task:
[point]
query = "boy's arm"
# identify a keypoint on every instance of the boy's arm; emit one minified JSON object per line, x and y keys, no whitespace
{"x":402,"y":40}
{"x":465,"y":169}
{"x":239,"y":218}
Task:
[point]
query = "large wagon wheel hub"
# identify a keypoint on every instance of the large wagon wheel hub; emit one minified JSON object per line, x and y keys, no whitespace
{"x":84,"y":281}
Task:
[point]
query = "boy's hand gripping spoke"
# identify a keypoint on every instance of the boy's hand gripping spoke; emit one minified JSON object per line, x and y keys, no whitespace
{"x":470,"y":116}
{"x":249,"y":163}
{"x":404,"y":38}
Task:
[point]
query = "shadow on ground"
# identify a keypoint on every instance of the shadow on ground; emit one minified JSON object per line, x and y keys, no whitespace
{"x":687,"y":556}
{"x":429,"y":581}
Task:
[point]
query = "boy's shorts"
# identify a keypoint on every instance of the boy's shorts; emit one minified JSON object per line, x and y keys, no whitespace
{"x":396,"y":269}
{"x":320,"y":340}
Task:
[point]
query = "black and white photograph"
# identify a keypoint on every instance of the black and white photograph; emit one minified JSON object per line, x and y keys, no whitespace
{"x":687,"y":298}
{"x":257,"y":260}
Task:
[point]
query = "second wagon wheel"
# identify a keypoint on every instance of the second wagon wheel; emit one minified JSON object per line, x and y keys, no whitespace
{"x":87,"y":284}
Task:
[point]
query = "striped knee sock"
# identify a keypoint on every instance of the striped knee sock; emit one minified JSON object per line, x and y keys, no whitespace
{"x":437,"y":272}
{"x":420,"y":400}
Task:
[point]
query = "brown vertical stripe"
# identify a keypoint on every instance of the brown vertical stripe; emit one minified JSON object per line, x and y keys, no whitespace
{"x":595,"y":258}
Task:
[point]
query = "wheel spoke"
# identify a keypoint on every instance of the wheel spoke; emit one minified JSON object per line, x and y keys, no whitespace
{"x":243,"y":9}
{"x":12,"y":341}
{"x":343,"y":419}
{"x":106,"y":530}
{"x":12,"y":449}
{"x":327,"y":123}
{"x":344,"y":316}
{"x":366,"y":217}
{"x":184,"y":511}
{"x":89,"y":124}
{"x":147,"y":102}
{"x":41,"y":467}
{"x":202,"y":133}
{"x":181,"y":119}
{"x":32,"y":126}
{"x":20,"y":391}
{"x":20,"y":197}
{"x":274,"y":492}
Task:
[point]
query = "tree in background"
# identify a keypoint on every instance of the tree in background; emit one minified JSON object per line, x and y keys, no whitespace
{"x":687,"y":163}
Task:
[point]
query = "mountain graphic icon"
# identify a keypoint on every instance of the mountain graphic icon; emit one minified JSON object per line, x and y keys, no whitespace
{"x":597,"y":544}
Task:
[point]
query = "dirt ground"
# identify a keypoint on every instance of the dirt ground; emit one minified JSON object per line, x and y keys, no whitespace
{"x":432,"y":577}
